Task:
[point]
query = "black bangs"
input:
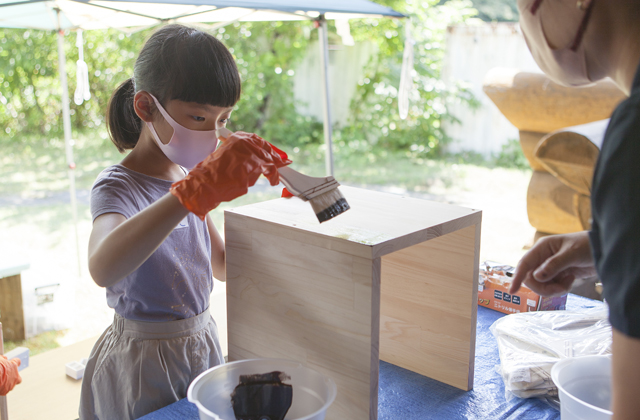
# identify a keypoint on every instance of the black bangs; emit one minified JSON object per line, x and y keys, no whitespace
{"x":202,"y":71}
{"x":183,"y":63}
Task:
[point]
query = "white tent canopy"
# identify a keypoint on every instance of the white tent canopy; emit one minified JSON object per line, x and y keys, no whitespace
{"x":102,"y":14}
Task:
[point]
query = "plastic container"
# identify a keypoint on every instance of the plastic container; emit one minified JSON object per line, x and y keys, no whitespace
{"x":211,"y":391}
{"x":584,"y":387}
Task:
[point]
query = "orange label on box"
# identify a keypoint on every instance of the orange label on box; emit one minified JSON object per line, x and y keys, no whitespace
{"x":493,"y":292}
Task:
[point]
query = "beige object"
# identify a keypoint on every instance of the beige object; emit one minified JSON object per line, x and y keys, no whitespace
{"x":555,"y":208}
{"x":570,"y":154}
{"x":394,"y":278}
{"x":532,"y":102}
{"x":46,"y":392}
{"x":529,"y":142}
{"x":560,"y":130}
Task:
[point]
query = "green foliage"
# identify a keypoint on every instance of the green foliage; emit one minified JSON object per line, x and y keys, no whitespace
{"x":38,"y":344}
{"x":497,"y":10}
{"x":267,"y":54}
{"x":512,"y":156}
{"x":374,"y":109}
{"x":30,"y":83}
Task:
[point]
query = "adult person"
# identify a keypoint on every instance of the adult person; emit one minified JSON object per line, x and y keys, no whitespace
{"x":576,"y":42}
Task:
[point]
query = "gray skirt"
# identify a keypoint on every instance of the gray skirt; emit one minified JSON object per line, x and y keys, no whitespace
{"x":138,"y":367}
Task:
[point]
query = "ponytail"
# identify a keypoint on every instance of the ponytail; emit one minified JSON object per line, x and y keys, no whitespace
{"x":123,"y":123}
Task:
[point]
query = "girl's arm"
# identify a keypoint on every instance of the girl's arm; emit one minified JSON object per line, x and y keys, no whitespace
{"x":217,"y":252}
{"x":118,"y":246}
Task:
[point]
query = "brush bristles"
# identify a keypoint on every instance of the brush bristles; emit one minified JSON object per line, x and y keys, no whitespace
{"x":329,"y":205}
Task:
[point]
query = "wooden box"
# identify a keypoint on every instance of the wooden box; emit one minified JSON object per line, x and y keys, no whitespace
{"x":393,"y":279}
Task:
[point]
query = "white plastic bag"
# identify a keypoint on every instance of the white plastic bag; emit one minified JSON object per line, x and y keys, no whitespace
{"x":531,"y":343}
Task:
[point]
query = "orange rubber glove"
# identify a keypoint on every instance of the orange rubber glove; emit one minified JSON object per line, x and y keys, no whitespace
{"x":228,"y":172}
{"x":9,"y":376}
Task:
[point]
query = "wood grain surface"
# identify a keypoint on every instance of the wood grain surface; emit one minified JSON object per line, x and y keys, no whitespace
{"x":11,"y":312}
{"x":532,"y":102}
{"x":429,"y":306}
{"x":312,"y":293}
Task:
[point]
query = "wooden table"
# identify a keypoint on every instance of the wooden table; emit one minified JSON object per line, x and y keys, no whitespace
{"x":393,"y":279}
{"x":11,"y":312}
{"x":46,"y":392}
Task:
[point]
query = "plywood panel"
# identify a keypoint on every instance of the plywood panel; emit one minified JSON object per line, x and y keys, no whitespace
{"x":11,"y":313}
{"x":312,"y":293}
{"x":300,"y":300}
{"x":381,"y":223}
{"x":429,"y":305}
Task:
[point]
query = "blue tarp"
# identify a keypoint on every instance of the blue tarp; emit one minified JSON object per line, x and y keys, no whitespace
{"x":409,"y":396}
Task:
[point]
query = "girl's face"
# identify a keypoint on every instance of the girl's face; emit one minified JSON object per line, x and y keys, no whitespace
{"x":191,"y":115}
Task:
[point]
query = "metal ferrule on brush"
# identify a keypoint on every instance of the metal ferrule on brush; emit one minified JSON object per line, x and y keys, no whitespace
{"x":323,"y":194}
{"x":326,"y":199}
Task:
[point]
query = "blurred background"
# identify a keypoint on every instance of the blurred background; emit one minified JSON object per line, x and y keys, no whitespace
{"x":454,"y":146}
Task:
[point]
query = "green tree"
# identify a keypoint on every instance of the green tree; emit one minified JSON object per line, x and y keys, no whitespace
{"x":495,"y":10}
{"x":375,"y":117}
{"x":267,"y":54}
{"x":30,"y":90}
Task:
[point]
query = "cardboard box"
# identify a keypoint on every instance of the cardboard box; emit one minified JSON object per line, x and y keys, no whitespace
{"x":493,"y":292}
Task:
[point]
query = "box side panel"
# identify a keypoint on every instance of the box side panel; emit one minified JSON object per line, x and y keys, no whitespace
{"x":296,"y":299}
{"x":11,"y":313}
{"x":429,"y":306}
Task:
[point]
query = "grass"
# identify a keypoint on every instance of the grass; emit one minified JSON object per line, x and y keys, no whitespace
{"x":35,"y":167}
{"x":34,"y":197}
{"x":38,"y":344}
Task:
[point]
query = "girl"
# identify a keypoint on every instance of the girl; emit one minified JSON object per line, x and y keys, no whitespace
{"x":155,"y":258}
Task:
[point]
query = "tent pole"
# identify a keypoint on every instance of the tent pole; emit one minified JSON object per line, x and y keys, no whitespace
{"x":324,"y":58}
{"x":68,"y":143}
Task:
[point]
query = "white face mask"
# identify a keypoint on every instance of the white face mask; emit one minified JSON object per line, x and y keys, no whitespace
{"x":566,"y":66}
{"x":186,"y":147}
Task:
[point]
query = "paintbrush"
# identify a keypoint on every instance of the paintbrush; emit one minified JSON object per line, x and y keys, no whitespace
{"x":326,"y":199}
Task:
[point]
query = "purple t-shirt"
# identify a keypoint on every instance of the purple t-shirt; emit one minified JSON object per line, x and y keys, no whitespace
{"x":175,"y":282}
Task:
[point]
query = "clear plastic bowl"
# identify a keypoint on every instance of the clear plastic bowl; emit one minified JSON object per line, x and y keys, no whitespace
{"x":584,"y":387}
{"x":211,"y":391}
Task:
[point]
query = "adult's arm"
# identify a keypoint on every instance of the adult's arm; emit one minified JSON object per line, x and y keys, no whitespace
{"x":626,"y":376}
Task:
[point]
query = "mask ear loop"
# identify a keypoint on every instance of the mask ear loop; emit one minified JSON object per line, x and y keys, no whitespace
{"x":535,"y":6}
{"x":583,"y":25}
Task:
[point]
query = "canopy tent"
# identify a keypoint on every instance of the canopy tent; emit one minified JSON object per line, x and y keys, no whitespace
{"x":131,"y":16}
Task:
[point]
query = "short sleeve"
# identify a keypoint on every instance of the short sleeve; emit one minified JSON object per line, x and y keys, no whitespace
{"x":616,"y":217}
{"x":111,"y":194}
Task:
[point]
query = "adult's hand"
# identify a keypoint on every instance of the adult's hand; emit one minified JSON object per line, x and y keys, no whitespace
{"x":228,"y":173}
{"x":553,"y":263}
{"x":9,"y":376}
